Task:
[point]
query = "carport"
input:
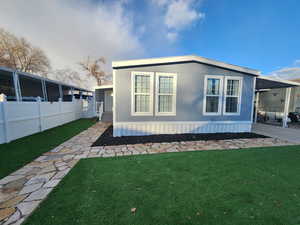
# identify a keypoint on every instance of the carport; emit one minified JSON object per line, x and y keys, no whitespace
{"x":264,"y":83}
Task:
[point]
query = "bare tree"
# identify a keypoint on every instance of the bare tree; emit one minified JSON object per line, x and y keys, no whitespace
{"x":69,"y":76}
{"x":18,"y":53}
{"x":94,"y":68}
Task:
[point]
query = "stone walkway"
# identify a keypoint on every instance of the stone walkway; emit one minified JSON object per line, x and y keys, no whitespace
{"x":22,"y":191}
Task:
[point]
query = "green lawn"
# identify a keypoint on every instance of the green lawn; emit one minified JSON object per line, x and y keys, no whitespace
{"x":253,"y":186}
{"x":17,"y":153}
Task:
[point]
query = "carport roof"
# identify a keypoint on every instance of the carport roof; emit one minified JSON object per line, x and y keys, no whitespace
{"x":264,"y":82}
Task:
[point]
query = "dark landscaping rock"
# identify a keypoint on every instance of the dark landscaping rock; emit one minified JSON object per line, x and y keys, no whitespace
{"x":107,"y":139}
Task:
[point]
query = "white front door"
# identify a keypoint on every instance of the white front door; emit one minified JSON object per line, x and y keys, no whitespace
{"x":108,"y":101}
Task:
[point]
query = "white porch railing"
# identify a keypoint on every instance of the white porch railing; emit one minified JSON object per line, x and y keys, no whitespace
{"x":99,"y":109}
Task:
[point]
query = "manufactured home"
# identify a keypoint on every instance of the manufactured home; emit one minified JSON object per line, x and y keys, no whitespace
{"x":184,"y":94}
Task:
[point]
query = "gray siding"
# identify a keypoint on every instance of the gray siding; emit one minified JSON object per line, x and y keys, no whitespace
{"x":189,"y":102}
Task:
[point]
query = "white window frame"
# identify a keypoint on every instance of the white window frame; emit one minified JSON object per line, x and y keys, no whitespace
{"x":220,"y":77}
{"x":239,"y":96}
{"x":173,"y":112}
{"x":133,"y":75}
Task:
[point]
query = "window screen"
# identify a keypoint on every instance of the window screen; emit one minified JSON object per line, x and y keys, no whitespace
{"x":67,"y":93}
{"x":52,"y":91}
{"x":31,"y":88}
{"x":232,"y":95}
{"x":212,"y":95}
{"x":166,"y":94}
{"x":7,"y":85}
{"x":142,"y":93}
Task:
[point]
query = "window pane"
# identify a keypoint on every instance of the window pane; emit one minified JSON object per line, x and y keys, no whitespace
{"x":67,"y":93}
{"x":231,"y":104}
{"x":31,"y":88}
{"x":166,"y":85}
{"x":142,"y":103}
{"x":142,"y":84}
{"x":233,"y":87}
{"x":212,"y":104}
{"x":213,"y":86}
{"x":165,"y":103}
{"x":7,"y":85}
{"x":52,"y":92}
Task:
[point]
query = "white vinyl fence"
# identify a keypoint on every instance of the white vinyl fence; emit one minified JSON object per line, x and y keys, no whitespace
{"x":19,"y":119}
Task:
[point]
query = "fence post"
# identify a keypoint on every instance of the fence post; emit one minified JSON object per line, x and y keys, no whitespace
{"x":38,"y":101}
{"x":74,"y":106}
{"x":60,"y":110}
{"x":3,"y":100}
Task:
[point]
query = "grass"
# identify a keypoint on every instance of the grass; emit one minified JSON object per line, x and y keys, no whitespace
{"x":253,"y":186}
{"x":17,"y":153}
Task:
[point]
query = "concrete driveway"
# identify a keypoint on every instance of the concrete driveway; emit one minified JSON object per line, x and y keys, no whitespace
{"x":287,"y":134}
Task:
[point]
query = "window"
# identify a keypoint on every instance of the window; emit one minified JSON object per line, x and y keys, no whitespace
{"x":31,"y":88}
{"x":7,"y":86}
{"x":67,"y":93}
{"x":212,"y":95}
{"x":233,"y":90}
{"x":165,"y":94}
{"x":53,"y":93}
{"x":142,"y":93}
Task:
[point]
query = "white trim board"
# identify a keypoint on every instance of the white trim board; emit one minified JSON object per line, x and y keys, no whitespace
{"x":179,"y":59}
{"x":177,"y":127}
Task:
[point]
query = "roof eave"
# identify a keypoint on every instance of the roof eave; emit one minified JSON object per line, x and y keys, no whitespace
{"x":181,"y":59}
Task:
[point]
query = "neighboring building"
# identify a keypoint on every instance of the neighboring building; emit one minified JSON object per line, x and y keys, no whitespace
{"x":31,"y":104}
{"x":26,"y":87}
{"x":188,"y":94}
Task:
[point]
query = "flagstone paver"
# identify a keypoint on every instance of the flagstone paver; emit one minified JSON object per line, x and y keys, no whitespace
{"x":23,"y":190}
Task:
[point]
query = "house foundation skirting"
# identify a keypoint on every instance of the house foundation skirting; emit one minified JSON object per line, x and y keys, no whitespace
{"x":150,"y":128}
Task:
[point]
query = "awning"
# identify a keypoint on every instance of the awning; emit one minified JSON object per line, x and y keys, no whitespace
{"x":263,"y":82}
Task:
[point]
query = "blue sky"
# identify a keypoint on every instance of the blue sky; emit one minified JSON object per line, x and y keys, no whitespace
{"x":260,"y":34}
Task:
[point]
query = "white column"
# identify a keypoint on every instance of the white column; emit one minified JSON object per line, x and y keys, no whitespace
{"x":17,"y":87}
{"x":256,"y":107}
{"x":286,"y":107}
{"x":253,"y":100}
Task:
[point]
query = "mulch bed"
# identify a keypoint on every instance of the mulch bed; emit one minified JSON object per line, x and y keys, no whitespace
{"x":107,"y":139}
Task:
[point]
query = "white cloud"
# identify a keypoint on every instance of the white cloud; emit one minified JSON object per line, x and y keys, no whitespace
{"x":172,"y":36}
{"x":178,"y":15}
{"x":289,"y":73}
{"x":69,"y":31}
{"x":160,"y":2}
{"x":297,"y":62}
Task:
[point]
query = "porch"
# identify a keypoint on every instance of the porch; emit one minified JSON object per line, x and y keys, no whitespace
{"x":104,"y":102}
